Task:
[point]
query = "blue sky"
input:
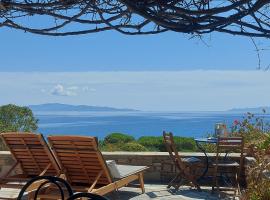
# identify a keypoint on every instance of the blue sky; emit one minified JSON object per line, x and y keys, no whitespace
{"x":113,"y":51}
{"x":110,"y":69}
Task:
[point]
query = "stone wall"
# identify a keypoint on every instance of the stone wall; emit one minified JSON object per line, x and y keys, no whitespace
{"x":161,"y":167}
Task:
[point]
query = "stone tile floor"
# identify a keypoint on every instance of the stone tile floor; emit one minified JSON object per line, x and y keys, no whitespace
{"x":152,"y":192}
{"x":160,"y":192}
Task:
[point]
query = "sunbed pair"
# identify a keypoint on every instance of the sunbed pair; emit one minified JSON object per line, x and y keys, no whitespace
{"x":76,"y":158}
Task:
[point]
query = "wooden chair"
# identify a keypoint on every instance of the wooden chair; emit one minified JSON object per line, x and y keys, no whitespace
{"x":222,"y":165}
{"x":186,"y":167}
{"x":32,"y":155}
{"x":85,"y":168}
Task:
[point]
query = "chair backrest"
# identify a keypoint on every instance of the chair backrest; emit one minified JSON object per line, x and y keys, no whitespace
{"x":32,"y":152}
{"x":170,"y":146}
{"x":80,"y":160}
{"x":229,"y":145}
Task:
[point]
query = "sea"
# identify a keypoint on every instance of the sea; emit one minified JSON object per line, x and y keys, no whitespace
{"x":135,"y":123}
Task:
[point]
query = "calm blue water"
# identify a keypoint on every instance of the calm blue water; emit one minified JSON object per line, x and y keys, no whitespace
{"x":138,"y":124}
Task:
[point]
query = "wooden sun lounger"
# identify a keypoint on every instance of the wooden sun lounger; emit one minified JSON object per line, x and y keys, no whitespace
{"x":85,"y":168}
{"x":32,"y":154}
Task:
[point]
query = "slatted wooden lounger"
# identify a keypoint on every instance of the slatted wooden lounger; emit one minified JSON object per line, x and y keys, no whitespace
{"x":30,"y":151}
{"x":85,"y":168}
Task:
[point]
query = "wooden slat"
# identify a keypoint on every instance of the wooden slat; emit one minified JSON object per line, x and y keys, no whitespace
{"x":31,"y":151}
{"x":79,"y":156}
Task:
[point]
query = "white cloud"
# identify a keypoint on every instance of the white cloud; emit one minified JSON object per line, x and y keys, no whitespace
{"x":59,"y":90}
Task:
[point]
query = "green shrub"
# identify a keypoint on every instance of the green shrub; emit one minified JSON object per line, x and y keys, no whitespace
{"x":123,"y":142}
{"x":185,"y":144}
{"x":133,"y":146}
{"x":152,"y":143}
{"x":110,"y":147}
{"x":118,"y":138}
{"x":156,"y":143}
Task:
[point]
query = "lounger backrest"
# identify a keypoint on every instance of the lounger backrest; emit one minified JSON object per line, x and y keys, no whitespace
{"x":32,"y":152}
{"x":80,"y":159}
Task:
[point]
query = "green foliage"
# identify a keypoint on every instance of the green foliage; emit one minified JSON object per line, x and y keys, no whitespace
{"x":133,"y":146}
{"x":122,"y":142}
{"x":185,"y":144}
{"x":156,"y":143}
{"x":265,"y":144}
{"x":16,"y":118}
{"x":118,"y":138}
{"x":152,"y":143}
{"x":258,"y":183}
{"x":254,"y":129}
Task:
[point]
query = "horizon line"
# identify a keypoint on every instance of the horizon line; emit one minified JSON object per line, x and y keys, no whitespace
{"x":147,"y":70}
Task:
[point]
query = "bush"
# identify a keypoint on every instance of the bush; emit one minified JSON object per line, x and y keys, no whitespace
{"x":152,"y":143}
{"x":118,"y":138}
{"x":185,"y":144}
{"x":123,"y":142}
{"x":156,"y":143}
{"x":133,"y":146}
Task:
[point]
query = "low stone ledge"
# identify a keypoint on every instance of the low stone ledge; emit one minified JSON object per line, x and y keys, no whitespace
{"x":160,"y":154}
{"x":161,"y":166}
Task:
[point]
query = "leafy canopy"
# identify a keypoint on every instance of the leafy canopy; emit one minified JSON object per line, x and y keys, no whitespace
{"x":16,"y":118}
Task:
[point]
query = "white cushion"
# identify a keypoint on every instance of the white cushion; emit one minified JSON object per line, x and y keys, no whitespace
{"x":113,"y":168}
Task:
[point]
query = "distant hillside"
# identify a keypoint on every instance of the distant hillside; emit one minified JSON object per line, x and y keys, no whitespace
{"x":67,"y":107}
{"x":252,"y":110}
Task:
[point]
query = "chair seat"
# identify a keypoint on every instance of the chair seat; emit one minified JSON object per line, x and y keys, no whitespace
{"x":227,"y":164}
{"x":190,"y":160}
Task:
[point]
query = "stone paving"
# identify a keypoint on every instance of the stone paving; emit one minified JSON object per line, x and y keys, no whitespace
{"x":152,"y":192}
{"x":160,"y":192}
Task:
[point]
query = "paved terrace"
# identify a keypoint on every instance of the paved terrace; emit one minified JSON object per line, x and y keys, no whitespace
{"x":152,"y":192}
{"x":158,"y":173}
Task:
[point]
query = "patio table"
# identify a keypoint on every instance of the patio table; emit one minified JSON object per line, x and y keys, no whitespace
{"x":199,"y":142}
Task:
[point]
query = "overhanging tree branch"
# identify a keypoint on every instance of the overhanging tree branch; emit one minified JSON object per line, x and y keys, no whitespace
{"x":134,"y":17}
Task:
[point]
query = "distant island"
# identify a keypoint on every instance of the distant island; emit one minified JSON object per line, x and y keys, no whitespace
{"x":79,"y":108}
{"x":59,"y":107}
{"x":251,"y":110}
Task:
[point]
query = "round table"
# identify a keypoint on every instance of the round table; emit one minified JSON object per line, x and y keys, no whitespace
{"x":200,"y":141}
